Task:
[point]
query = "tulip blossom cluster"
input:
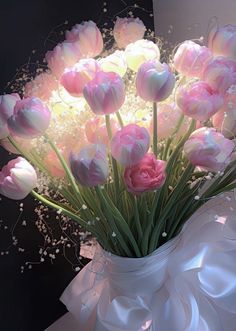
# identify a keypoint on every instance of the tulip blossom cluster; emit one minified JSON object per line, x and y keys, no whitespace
{"x":123,"y":137}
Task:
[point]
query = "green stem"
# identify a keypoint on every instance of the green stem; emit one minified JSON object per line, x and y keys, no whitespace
{"x":65,"y":167}
{"x":64,"y":211}
{"x":122,"y":223}
{"x":117,"y":234}
{"x":29,"y":157}
{"x":150,"y":224}
{"x":119,"y":119}
{"x":137,"y":220}
{"x":154,"y":147}
{"x":113,"y":161}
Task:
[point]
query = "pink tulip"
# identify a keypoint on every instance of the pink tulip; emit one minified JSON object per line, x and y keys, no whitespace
{"x":30,"y":119}
{"x":7,"y":104}
{"x":208,"y":149}
{"x":147,"y":175}
{"x":168,"y":116}
{"x":154,"y":81}
{"x":74,"y":79}
{"x":64,"y":55}
{"x":220,"y":74}
{"x":96,"y":130}
{"x":105,"y":94}
{"x":199,"y":101}
{"x":130,"y":144}
{"x":17,"y":179}
{"x":222,"y":41}
{"x":128,"y":30}
{"x":87,"y":38}
{"x":90,"y":167}
{"x":190,"y":59}
{"x":139,"y":52}
{"x":41,"y":86}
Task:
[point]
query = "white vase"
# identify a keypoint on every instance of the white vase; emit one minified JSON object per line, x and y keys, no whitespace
{"x":188,"y":284}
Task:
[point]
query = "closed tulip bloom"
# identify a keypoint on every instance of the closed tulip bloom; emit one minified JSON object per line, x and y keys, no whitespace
{"x":105,"y":94}
{"x":128,"y":30}
{"x":199,"y":101}
{"x":74,"y":79}
{"x":154,"y":81}
{"x":147,"y":175}
{"x":63,"y":56}
{"x":17,"y":179}
{"x":222,"y":41}
{"x":7,"y":104}
{"x":87,"y":38}
{"x":30,"y":119}
{"x":114,"y":62}
{"x":191,"y":58}
{"x":90,"y":166}
{"x":130,"y":144}
{"x":139,"y":52}
{"x":208,"y":149}
{"x":96,"y":131}
{"x":220,"y":74}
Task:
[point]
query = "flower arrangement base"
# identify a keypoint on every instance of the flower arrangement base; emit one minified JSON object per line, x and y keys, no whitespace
{"x":188,"y":284}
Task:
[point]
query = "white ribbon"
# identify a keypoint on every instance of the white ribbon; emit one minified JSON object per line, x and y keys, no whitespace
{"x":188,"y":284}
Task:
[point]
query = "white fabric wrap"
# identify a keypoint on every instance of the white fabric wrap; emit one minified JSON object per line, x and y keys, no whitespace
{"x":188,"y":284}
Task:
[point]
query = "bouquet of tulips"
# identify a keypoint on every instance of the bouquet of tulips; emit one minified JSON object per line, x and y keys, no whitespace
{"x":127,"y":146}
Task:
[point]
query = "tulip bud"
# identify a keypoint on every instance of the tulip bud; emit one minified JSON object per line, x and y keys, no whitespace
{"x":17,"y":179}
{"x":222,"y":41}
{"x":140,"y":52}
{"x":74,"y":79}
{"x":208,"y":149}
{"x":199,"y":101}
{"x":30,"y":119}
{"x":128,"y":30}
{"x":90,"y":167}
{"x":105,"y":94}
{"x":114,"y":62}
{"x":87,"y":38}
{"x":130,"y":144}
{"x":64,"y":55}
{"x":154,"y":81}
{"x":191,"y":58}
{"x":147,"y":175}
{"x":220,"y":74}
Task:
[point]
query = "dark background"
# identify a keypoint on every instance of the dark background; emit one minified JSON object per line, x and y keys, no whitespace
{"x":30,"y":300}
